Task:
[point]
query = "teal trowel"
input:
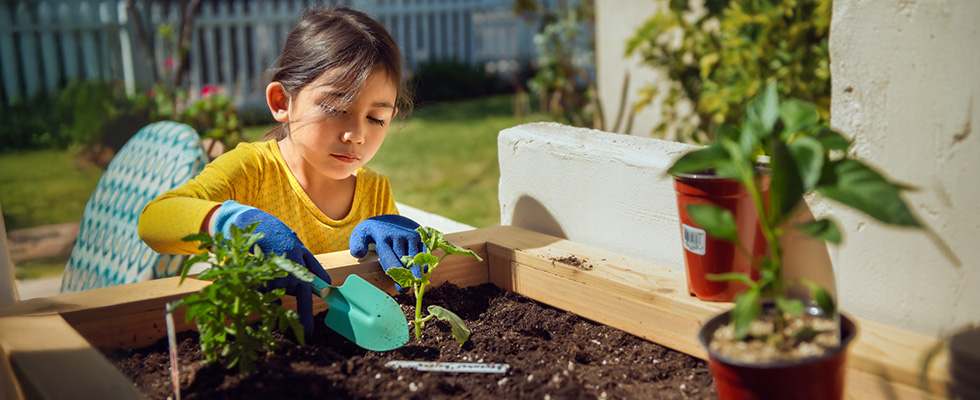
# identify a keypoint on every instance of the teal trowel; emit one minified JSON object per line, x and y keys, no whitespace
{"x":364,"y":314}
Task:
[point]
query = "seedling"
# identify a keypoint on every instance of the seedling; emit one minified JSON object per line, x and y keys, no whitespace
{"x":234,"y":318}
{"x":432,"y":239}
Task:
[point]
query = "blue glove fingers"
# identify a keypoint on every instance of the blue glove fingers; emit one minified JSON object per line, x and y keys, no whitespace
{"x":359,"y":240}
{"x":388,"y":259}
{"x":314,"y":266}
{"x":304,"y":307}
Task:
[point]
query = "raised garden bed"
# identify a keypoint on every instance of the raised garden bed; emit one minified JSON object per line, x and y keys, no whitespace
{"x":547,"y":351}
{"x":49,"y":345}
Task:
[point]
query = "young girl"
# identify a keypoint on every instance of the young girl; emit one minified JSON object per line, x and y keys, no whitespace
{"x":335,"y":89}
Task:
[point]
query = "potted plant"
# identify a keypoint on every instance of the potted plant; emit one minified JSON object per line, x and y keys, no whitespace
{"x":706,"y":255}
{"x":771,"y":345}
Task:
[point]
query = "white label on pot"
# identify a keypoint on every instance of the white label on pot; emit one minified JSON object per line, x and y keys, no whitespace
{"x":450,"y":366}
{"x":694,"y":239}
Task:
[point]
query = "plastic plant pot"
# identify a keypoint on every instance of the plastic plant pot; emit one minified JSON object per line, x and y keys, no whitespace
{"x":817,"y":378}
{"x":704,"y":254}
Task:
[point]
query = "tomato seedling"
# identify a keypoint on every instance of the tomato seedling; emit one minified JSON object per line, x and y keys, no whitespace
{"x":225,"y":311}
{"x":432,"y":239}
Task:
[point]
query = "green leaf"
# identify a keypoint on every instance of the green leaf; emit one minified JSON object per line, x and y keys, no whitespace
{"x":822,"y":297}
{"x":747,"y":308}
{"x":716,"y":221}
{"x":202,"y":237}
{"x":856,"y":185}
{"x":823,"y":229}
{"x":453,"y":249}
{"x":431,"y":237}
{"x":786,"y":189}
{"x":700,"y":160}
{"x":824,"y":301}
{"x":808,"y":155}
{"x":402,"y":276}
{"x":732,"y":276}
{"x":763,"y":111}
{"x":796,"y":116}
{"x":422,"y":259}
{"x":832,"y":140}
{"x":460,"y":331}
{"x":792,"y":306}
{"x":299,"y":271}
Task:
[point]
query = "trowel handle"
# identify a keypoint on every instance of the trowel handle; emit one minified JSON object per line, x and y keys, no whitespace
{"x":320,"y":287}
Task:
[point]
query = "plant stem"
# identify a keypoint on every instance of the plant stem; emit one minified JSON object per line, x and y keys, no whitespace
{"x":419,"y":291}
{"x":775,"y":252}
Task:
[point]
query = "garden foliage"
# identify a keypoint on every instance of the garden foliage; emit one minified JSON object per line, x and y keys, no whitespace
{"x":235,"y":319}
{"x":564,"y":82}
{"x":719,"y":56}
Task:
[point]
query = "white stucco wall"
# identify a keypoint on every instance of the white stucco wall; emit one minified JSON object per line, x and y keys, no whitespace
{"x":612,"y":31}
{"x":906,"y":86}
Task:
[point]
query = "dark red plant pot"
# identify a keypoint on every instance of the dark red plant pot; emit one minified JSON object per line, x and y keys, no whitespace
{"x":704,"y":254}
{"x":820,"y":378}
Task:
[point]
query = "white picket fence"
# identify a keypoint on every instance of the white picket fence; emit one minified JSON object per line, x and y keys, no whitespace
{"x":45,"y":44}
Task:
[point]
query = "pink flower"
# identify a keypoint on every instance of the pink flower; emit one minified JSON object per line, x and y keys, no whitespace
{"x":210,"y":89}
{"x":169,"y":63}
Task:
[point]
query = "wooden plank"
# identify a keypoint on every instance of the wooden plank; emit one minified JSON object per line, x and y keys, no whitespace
{"x":114,"y":300}
{"x":897,"y":355}
{"x":45,"y":358}
{"x":863,"y":385}
{"x":623,"y":276}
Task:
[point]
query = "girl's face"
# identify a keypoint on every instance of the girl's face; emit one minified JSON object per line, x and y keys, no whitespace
{"x":336,"y":142}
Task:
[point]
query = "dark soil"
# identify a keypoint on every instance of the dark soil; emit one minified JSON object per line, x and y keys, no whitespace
{"x":551,"y":353}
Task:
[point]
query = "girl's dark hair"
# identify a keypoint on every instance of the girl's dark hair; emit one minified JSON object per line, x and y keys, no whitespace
{"x":344,"y":41}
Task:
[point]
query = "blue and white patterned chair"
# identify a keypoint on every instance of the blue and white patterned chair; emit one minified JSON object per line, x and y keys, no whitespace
{"x":108,"y":250}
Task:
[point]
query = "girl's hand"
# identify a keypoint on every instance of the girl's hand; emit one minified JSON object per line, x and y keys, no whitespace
{"x":394,"y":237}
{"x":281,"y":240}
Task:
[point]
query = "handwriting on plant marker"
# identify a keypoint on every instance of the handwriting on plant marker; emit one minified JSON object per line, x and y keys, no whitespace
{"x":432,"y":366}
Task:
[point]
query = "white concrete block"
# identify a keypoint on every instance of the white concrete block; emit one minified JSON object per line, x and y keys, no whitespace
{"x":602,"y":189}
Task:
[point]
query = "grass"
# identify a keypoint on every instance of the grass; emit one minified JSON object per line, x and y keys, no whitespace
{"x":441,"y":159}
{"x":44,"y":187}
{"x":41,"y":268}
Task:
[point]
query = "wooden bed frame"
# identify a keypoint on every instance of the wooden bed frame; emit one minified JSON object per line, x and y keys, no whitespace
{"x":49,"y":345}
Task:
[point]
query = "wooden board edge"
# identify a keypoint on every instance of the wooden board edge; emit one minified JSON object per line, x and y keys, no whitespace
{"x":50,"y":360}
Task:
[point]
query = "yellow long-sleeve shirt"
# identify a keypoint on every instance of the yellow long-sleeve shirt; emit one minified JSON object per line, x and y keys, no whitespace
{"x":255,"y":174}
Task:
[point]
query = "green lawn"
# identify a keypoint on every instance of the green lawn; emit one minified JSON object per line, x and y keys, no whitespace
{"x":44,"y":187}
{"x":442,"y":159}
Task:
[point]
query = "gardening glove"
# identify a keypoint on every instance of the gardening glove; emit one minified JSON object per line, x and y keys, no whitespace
{"x":394,"y":237}
{"x":281,"y":240}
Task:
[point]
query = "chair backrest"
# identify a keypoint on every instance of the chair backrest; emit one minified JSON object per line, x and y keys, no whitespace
{"x":108,"y":251}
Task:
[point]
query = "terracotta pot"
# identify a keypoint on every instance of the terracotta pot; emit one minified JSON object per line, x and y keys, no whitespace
{"x":704,"y":254}
{"x":820,"y":378}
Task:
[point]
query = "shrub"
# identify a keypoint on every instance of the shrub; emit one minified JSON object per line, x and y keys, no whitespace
{"x":447,"y":80}
{"x":78,"y":114}
{"x":563,"y":82}
{"x":720,"y":56}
